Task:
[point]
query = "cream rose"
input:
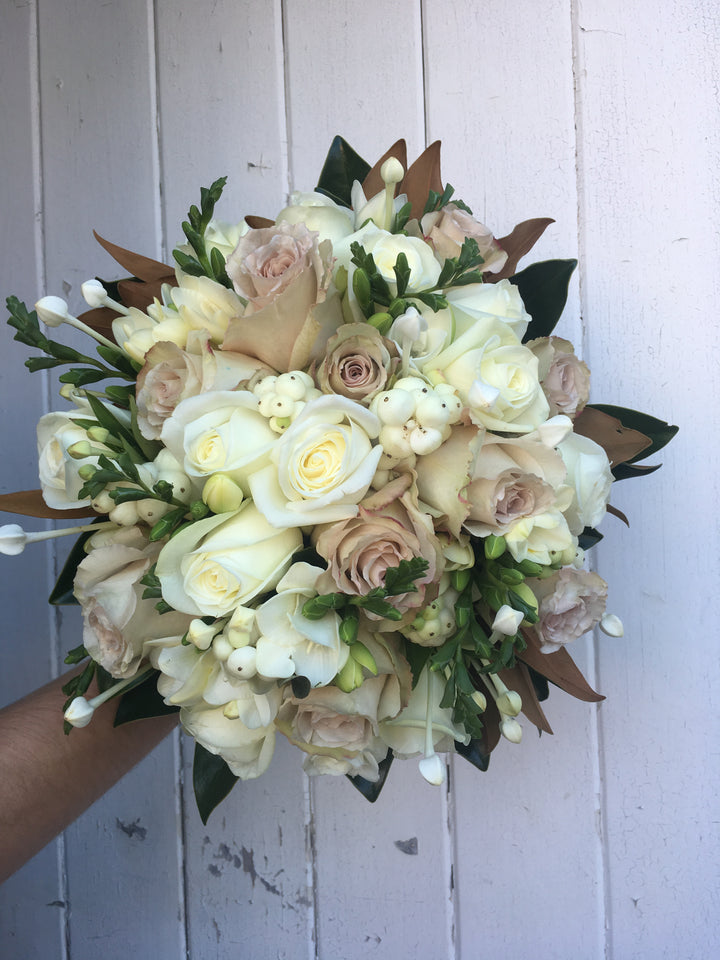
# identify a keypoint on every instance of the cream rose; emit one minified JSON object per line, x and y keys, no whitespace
{"x":543,"y":538}
{"x":488,"y":301}
{"x":389,"y":528}
{"x":321,"y":466}
{"x":357,"y":362}
{"x":406,"y":733}
{"x":570,"y":603}
{"x":565,"y":378}
{"x":117,"y":621}
{"x":219,"y":432}
{"x":319,"y":214}
{"x":214,"y":565}
{"x":447,"y":228}
{"x":590,"y":475}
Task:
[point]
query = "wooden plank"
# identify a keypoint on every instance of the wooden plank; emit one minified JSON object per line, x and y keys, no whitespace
{"x":32,"y":909}
{"x":500,"y":96}
{"x":650,"y":149}
{"x":348,"y":75}
{"x":222,"y":112}
{"x":99,"y":171}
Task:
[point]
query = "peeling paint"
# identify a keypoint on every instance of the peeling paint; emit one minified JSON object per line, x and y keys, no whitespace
{"x":132,"y":829}
{"x":408,"y":846}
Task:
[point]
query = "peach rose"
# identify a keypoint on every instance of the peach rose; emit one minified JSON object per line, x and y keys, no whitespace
{"x":447,"y":228}
{"x":564,"y":377}
{"x":357,"y":363}
{"x":571,"y":602}
{"x":389,"y":527}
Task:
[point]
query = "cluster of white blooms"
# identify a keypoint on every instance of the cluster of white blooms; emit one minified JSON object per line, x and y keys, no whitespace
{"x":415,"y":416}
{"x":282,"y":398}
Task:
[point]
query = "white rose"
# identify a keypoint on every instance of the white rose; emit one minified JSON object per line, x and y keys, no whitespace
{"x":589,"y":473}
{"x":543,"y":539}
{"x":247,"y":752}
{"x":322,"y":466}
{"x":319,"y":213}
{"x":291,"y":644}
{"x":495,"y":376}
{"x":219,"y":432}
{"x":477,"y":301}
{"x":214,"y":565}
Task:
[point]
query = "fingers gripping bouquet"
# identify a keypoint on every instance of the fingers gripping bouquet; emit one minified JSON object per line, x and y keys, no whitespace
{"x":342,"y":478}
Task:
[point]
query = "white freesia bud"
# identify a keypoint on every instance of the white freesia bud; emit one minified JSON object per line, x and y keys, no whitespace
{"x":612,"y":625}
{"x":79,"y":713}
{"x":94,"y":293}
{"x":201,"y":634}
{"x":433,"y":769}
{"x":509,"y":703}
{"x":408,"y":326}
{"x":13,"y":539}
{"x":555,"y":430}
{"x":52,"y":311}
{"x":507,"y":620}
{"x":392,"y":171}
{"x":511,"y":729}
{"x":480,"y":699}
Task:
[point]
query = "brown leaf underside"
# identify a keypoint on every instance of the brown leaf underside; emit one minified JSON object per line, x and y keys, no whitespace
{"x":619,"y":443}
{"x":30,"y":503}
{"x":559,"y":668}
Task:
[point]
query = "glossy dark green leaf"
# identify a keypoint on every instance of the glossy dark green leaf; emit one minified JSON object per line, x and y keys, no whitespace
{"x":342,"y":166}
{"x":543,"y":287}
{"x":659,"y":432}
{"x":142,"y":702}
{"x":625,"y":471}
{"x":539,"y":682}
{"x":369,"y":789}
{"x":588,"y":538}
{"x":212,"y":781}
{"x":474,"y":753}
{"x":62,"y":592}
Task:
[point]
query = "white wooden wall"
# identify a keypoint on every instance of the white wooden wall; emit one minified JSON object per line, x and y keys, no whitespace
{"x":599,"y":842}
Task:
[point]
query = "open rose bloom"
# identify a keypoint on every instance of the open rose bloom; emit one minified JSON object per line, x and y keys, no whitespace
{"x":343,"y":482}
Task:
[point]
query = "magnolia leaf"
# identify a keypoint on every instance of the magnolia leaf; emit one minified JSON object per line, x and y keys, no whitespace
{"x":142,"y":702}
{"x":518,"y":679}
{"x":259,"y":223}
{"x":618,"y":513}
{"x":100,"y":319}
{"x":212,"y":781}
{"x":517,"y":243}
{"x":341,"y":168}
{"x":589,"y":537}
{"x":540,"y":684}
{"x":620,"y":443}
{"x":30,"y":503}
{"x":659,"y":432}
{"x":135,"y":263}
{"x":475,"y":753}
{"x":624,"y":471}
{"x":544,"y":287}
{"x":559,"y":668}
{"x":369,"y":789}
{"x":422,"y":177}
{"x":136,"y":293}
{"x":373,"y":182}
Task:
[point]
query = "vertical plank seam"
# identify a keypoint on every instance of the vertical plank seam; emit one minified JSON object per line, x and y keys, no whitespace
{"x":450,"y":850}
{"x":53,"y":615}
{"x":424,"y":73}
{"x":311,"y":869}
{"x":285,"y":105}
{"x":156,"y":140}
{"x":596,"y":727}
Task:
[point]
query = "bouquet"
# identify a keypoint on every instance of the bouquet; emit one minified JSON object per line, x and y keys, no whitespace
{"x":341,"y":478}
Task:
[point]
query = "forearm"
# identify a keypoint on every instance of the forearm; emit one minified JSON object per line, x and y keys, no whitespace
{"x":47,"y":779}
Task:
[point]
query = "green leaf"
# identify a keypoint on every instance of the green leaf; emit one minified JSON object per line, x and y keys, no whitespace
{"x":342,"y":166}
{"x":76,"y":655}
{"x":401,"y":579}
{"x":371,"y":789}
{"x":543,"y":287}
{"x":474,"y":753}
{"x":625,"y":471}
{"x":588,"y":538}
{"x":402,"y":274}
{"x":417,"y":657}
{"x":81,"y":377}
{"x":142,"y":702}
{"x":212,"y":781}
{"x":659,"y":432}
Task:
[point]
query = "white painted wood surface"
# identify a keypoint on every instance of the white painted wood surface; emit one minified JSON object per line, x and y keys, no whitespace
{"x":600,"y":842}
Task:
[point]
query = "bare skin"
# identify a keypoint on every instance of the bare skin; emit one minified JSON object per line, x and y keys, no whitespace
{"x":48,"y":779}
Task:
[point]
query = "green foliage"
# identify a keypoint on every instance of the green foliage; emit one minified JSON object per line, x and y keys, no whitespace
{"x":436,"y":201}
{"x":342,"y":166}
{"x":371,"y":789}
{"x":142,"y":702}
{"x":205,"y":263}
{"x":212,"y":781}
{"x":543,"y":287}
{"x":398,"y":580}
